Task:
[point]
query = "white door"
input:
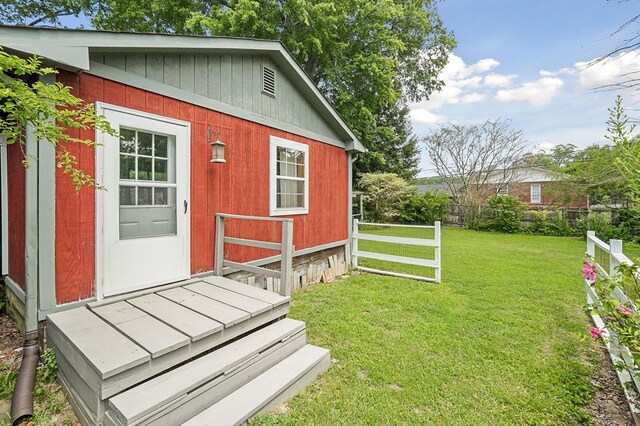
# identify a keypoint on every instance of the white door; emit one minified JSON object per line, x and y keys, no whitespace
{"x":143,"y":213}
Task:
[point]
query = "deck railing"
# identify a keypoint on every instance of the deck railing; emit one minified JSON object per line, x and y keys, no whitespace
{"x":285,"y":247}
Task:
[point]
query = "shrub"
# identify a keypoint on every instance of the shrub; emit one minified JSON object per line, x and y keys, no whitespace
{"x":601,"y":223}
{"x":425,"y":208}
{"x":628,"y":221}
{"x":506,"y":211}
{"x":545,"y":224}
{"x":384,"y":195}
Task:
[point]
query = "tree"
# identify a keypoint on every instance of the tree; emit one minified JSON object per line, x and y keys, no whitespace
{"x":558,"y":158}
{"x":368,"y":57}
{"x":384,"y":195}
{"x":469,"y":158}
{"x":628,"y":160}
{"x":48,"y":110}
{"x":29,"y":12}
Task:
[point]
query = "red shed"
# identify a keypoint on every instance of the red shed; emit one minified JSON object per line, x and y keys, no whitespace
{"x":287,"y":153}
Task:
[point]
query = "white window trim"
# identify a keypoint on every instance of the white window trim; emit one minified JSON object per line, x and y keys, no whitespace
{"x":4,"y":193}
{"x":539,"y":200}
{"x":274,"y":143}
{"x":502,"y":188}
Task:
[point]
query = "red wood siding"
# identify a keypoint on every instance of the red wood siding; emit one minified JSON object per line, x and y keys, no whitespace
{"x":240,"y":186}
{"x":16,"y":210}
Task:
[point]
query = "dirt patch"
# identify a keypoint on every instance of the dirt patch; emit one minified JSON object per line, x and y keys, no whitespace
{"x":10,"y":341}
{"x":609,"y":406}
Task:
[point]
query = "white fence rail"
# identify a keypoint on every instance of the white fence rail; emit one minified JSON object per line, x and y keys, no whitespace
{"x":612,"y":256}
{"x":434,"y":263}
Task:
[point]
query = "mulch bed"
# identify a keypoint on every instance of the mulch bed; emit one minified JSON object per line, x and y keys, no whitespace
{"x":609,"y":406}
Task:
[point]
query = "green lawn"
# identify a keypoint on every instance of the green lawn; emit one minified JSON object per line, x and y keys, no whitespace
{"x":501,"y":341}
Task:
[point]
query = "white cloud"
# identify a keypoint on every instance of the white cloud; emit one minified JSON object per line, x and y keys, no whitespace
{"x":614,"y":70}
{"x":499,"y":80}
{"x":472,"y":98}
{"x":537,"y":93}
{"x":425,"y":116}
{"x":561,"y":71}
{"x":484,"y":65}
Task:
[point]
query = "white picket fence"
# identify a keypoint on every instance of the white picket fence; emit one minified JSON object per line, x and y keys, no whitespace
{"x":434,"y":242}
{"x":611,"y":254}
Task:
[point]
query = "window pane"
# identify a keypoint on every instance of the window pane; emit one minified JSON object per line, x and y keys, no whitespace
{"x":160,"y":172}
{"x":300,"y":189}
{"x":144,"y":143}
{"x":160,"y":197}
{"x":127,"y":167}
{"x":127,"y":141}
{"x":144,"y":196}
{"x":300,"y":201}
{"x":160,"y":146}
{"x":127,"y":196}
{"x":144,"y":168}
{"x":300,"y":169}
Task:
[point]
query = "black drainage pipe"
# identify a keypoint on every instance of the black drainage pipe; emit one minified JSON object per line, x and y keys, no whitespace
{"x":22,"y":400}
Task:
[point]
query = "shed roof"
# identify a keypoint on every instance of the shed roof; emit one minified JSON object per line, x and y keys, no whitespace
{"x":70,"y":49}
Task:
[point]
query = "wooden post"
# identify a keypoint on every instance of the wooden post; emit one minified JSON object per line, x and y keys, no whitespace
{"x":615,"y":247}
{"x":218,"y":255}
{"x":361,"y":209}
{"x":286,"y":264}
{"x":438,"y":252}
{"x":591,"y":246}
{"x":354,"y":245}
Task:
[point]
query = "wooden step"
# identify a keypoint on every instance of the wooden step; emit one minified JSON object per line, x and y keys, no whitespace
{"x":113,"y":345}
{"x":267,"y":390}
{"x":175,"y":396}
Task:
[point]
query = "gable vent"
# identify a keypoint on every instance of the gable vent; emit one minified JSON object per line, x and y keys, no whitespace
{"x":268,"y":81}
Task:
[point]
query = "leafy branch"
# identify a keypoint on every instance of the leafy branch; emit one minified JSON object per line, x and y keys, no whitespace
{"x":50,"y":112}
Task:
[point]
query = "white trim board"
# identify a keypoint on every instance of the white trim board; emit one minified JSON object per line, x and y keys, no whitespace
{"x":275,"y":143}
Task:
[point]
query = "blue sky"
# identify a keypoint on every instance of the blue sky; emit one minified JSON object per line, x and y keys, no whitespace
{"x":523,"y":60}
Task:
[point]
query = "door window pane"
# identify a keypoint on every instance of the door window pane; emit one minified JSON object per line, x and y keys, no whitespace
{"x":144,"y":168}
{"x":127,"y":141}
{"x":160,"y":171}
{"x":144,"y":196}
{"x":127,"y":166}
{"x":144,"y":143}
{"x":160,"y":146}
{"x":127,"y":196}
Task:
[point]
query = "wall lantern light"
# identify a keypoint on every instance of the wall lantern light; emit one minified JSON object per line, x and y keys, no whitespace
{"x":217,"y":147}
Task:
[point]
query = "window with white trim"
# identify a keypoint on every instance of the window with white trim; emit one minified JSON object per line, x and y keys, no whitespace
{"x":289,"y":177}
{"x":536,"y":193}
{"x":502,"y":191}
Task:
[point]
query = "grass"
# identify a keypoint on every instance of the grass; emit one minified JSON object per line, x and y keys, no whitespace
{"x":501,"y":341}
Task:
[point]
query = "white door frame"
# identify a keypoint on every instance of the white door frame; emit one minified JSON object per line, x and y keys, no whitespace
{"x":101,"y":108}
{"x":4,"y":202}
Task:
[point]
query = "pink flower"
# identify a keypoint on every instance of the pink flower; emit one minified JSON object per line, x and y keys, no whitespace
{"x":625,"y":311}
{"x":596,"y":332}
{"x":589,"y":271}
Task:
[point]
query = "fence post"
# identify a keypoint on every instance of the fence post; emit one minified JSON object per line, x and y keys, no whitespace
{"x":591,"y":246}
{"x":615,"y":247}
{"x":354,"y":245}
{"x":437,"y":253}
{"x":218,"y":255}
{"x":286,"y":264}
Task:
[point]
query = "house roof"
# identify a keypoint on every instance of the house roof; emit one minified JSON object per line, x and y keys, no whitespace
{"x":70,"y":49}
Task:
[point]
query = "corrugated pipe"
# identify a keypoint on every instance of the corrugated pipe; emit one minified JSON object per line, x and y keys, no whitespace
{"x":22,"y":401}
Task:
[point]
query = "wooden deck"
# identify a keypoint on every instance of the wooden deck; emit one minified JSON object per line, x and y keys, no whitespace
{"x":111,"y":351}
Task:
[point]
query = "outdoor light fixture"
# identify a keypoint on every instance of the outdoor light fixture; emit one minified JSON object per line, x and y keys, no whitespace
{"x":217,"y":147}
